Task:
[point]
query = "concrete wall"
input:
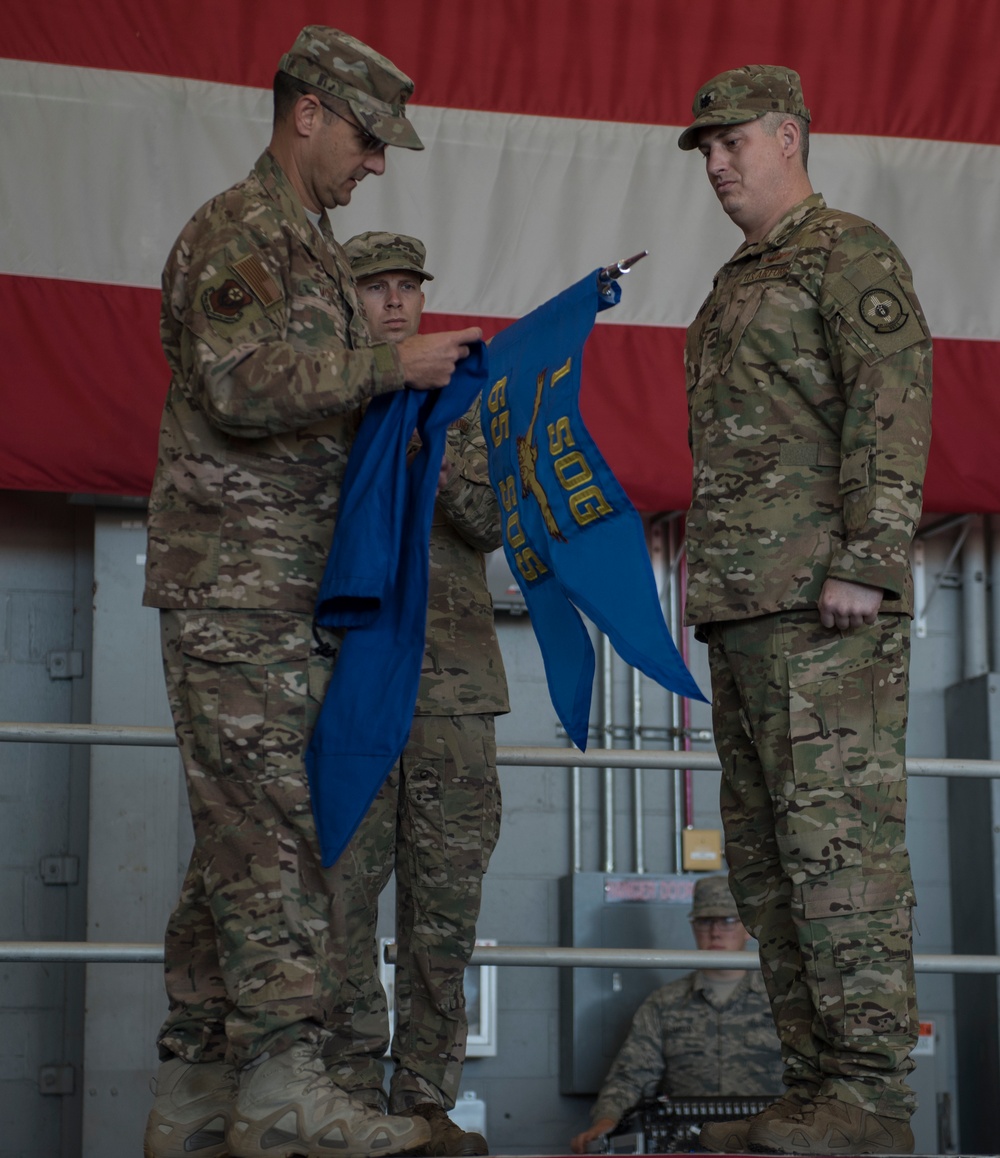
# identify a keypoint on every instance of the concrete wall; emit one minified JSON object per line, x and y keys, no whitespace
{"x":46,"y":563}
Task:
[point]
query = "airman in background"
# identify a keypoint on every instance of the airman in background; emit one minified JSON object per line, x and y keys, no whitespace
{"x":437,"y":818}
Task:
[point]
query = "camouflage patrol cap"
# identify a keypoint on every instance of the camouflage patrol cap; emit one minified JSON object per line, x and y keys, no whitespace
{"x":347,"y":68}
{"x":376,"y":252}
{"x":744,"y":94}
{"x":712,"y":898}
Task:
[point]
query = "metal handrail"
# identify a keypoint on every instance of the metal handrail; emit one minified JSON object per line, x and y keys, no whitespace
{"x":528,"y":955}
{"x":508,"y":755}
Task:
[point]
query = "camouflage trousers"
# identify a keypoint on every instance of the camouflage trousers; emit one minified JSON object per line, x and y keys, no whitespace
{"x":810,"y":725}
{"x":254,"y":947}
{"x":437,"y":820}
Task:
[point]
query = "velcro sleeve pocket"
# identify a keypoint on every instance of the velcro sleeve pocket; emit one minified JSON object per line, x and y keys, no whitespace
{"x":856,"y":471}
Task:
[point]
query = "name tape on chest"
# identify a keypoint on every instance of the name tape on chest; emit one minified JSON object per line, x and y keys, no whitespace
{"x":765,"y":273}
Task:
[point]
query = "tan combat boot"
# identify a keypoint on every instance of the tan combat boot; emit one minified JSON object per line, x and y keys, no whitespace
{"x":191,"y":1110}
{"x":732,"y":1137}
{"x":288,"y":1105}
{"x":448,"y":1139}
{"x":827,"y":1126}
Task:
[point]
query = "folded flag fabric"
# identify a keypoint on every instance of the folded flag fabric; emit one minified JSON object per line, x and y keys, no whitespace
{"x":571,"y":535}
{"x":375,"y":588}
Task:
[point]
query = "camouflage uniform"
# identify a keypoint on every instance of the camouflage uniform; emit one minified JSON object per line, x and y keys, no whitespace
{"x":685,"y":1042}
{"x":808,"y":374}
{"x":436,"y":819}
{"x":271,"y":361}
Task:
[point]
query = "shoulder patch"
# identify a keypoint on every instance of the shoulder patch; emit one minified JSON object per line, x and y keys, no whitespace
{"x":251,"y":272}
{"x":226,"y":302}
{"x":882,"y":310}
{"x":880,"y":315}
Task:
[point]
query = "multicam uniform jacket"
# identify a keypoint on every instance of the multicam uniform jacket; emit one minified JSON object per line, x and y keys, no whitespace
{"x":809,"y":390}
{"x":462,"y":671}
{"x":683,"y":1043}
{"x":271,"y":362}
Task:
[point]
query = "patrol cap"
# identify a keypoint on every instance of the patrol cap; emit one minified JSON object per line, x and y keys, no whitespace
{"x":377,"y":252}
{"x":745,"y":94}
{"x":345,"y":67}
{"x":712,"y":898}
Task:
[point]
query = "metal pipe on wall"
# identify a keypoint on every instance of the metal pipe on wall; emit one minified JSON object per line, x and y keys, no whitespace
{"x":577,"y":818}
{"x":607,"y":731}
{"x":638,"y":796}
{"x":681,"y":777}
{"x":994,"y":585}
{"x":975,"y":637}
{"x":529,"y":955}
{"x":508,"y":755}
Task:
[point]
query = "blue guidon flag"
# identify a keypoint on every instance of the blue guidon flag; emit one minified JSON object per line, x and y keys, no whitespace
{"x":374,"y":591}
{"x":570,"y":534}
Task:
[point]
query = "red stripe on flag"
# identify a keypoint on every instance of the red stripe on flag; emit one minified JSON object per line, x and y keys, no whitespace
{"x":83,"y":384}
{"x":907,"y":68}
{"x":85,"y":380}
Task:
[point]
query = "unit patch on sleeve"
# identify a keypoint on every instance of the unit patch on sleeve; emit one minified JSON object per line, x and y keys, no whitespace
{"x":226,"y":302}
{"x":876,"y":312}
{"x":882,"y":310}
{"x":240,"y":292}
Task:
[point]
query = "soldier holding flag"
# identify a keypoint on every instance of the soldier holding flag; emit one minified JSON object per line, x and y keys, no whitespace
{"x":271,"y":363}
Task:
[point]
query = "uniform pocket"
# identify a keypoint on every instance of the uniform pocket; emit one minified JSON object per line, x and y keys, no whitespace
{"x":845,"y":800}
{"x":847,"y":708}
{"x":492,"y":803}
{"x":856,"y":486}
{"x":863,"y":977}
{"x":248,"y":679}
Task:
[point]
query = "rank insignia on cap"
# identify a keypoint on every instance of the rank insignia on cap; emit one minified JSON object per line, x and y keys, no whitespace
{"x":226,"y":302}
{"x":706,"y":99}
{"x":882,"y":311}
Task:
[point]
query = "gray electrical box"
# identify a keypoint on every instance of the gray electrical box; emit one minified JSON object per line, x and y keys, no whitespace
{"x":596,"y":1006}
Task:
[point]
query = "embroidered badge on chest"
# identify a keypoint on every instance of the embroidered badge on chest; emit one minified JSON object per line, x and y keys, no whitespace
{"x":765,"y":273}
{"x":882,"y":311}
{"x":226,"y":302}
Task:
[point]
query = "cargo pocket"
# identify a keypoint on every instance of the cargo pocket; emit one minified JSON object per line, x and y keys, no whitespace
{"x":856,"y":488}
{"x":847,"y":717}
{"x":863,"y":976}
{"x":248,"y":680}
{"x":847,"y":708}
{"x":277,"y":981}
{"x":492,"y":805}
{"x":423,"y":823}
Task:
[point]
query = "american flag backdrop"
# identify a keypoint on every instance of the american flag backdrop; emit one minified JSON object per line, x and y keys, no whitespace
{"x":551,"y":129}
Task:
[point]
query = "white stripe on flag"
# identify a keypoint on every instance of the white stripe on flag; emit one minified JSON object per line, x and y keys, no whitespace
{"x":102,"y":168}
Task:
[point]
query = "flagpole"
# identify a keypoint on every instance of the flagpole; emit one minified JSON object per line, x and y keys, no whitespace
{"x":613,"y":272}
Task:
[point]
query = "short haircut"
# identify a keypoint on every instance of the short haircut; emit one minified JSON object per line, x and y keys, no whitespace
{"x":287,"y":90}
{"x":771,"y":122}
